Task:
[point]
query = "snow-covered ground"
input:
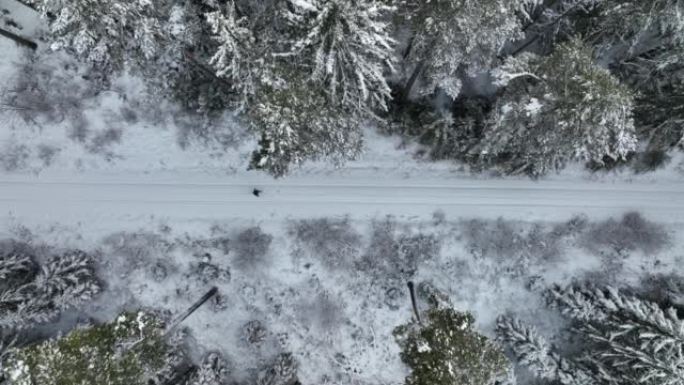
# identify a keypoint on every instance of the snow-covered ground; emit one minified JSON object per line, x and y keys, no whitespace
{"x":146,"y":198}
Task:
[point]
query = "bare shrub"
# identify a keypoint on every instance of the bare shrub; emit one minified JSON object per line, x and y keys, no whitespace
{"x":254,"y":332}
{"x":282,"y":372}
{"x":49,"y":91}
{"x":510,"y":244}
{"x":415,"y":249}
{"x":47,"y":153}
{"x":14,"y":157}
{"x":104,"y":139}
{"x":632,"y":232}
{"x":137,"y":248}
{"x":576,"y":225}
{"x":251,"y":246}
{"x":396,"y":256}
{"x":498,"y":239}
{"x":332,"y":240}
{"x":543,"y":245}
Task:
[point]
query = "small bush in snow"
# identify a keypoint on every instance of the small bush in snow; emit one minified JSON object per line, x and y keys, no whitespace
{"x":282,"y":372}
{"x":212,"y":371}
{"x":499,"y":239}
{"x":414,"y":249}
{"x":632,"y":232}
{"x":332,"y":240}
{"x":250,"y":248}
{"x":254,"y":332}
{"x":448,"y":350}
{"x":14,"y":157}
{"x":574,"y":226}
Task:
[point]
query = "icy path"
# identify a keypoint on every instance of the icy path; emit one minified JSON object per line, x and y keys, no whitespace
{"x":102,"y":198}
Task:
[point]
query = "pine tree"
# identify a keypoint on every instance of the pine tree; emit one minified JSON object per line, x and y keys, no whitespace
{"x":644,"y":41}
{"x":8,"y":340}
{"x":106,"y":33}
{"x":533,"y":351}
{"x":556,"y":109}
{"x":349,"y":45}
{"x":15,"y":267}
{"x":452,"y":38}
{"x":624,"y":340}
{"x":236,"y":58}
{"x":127,"y":351}
{"x":298,"y":123}
{"x":546,"y":23}
{"x":447,"y":350}
{"x":182,"y":71}
{"x":63,"y":282}
{"x":635,"y":341}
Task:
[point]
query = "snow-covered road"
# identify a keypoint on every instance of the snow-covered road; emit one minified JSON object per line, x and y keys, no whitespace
{"x":101,"y":198}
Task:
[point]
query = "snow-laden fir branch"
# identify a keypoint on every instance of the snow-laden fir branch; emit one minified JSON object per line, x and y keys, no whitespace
{"x":351,"y":48}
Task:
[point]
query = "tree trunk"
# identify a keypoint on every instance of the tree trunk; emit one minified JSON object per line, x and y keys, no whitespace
{"x":411,"y":82}
{"x":18,"y":39}
{"x":191,"y":309}
{"x":412,"y":291}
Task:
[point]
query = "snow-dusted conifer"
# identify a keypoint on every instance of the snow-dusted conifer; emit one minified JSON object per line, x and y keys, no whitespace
{"x":644,"y":42}
{"x":448,"y":350}
{"x":63,"y":282}
{"x":297,"y":123}
{"x":452,"y":38}
{"x":533,"y":351}
{"x":558,"y":108}
{"x":235,"y":58}
{"x":349,"y":44}
{"x":7,"y":343}
{"x":634,"y":341}
{"x":107,"y":33}
{"x":14,"y":265}
{"x":128,"y":351}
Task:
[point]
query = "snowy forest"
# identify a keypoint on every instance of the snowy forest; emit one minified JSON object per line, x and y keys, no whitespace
{"x":341,"y":192}
{"x":516,"y":86}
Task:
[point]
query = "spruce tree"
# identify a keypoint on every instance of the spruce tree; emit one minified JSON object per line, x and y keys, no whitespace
{"x":454,"y":38}
{"x":63,"y":282}
{"x":297,"y":123}
{"x":556,"y":109}
{"x":128,"y":351}
{"x":447,"y":350}
{"x":644,"y":43}
{"x":107,"y":33}
{"x":348,"y":46}
{"x":624,"y":340}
